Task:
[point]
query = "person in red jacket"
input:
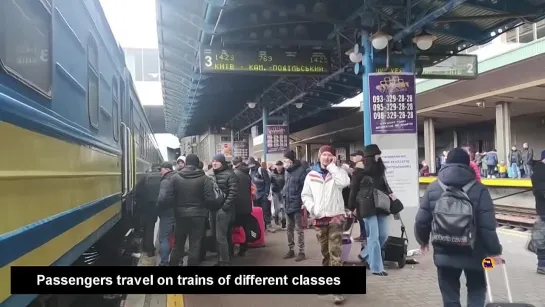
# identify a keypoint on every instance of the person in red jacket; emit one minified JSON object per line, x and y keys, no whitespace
{"x":472,"y":163}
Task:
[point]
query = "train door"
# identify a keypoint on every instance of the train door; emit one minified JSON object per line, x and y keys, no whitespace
{"x":126,"y":139}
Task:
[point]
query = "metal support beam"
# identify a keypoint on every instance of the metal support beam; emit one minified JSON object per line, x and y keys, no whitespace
{"x":418,"y":25}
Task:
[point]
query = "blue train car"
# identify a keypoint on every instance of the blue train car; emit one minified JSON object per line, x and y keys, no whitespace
{"x":74,"y":134}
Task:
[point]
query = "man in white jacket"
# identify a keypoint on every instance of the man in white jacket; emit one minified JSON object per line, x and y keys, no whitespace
{"x":322,"y":198}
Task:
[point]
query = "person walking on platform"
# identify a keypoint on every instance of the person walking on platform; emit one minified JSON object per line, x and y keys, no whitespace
{"x":538,"y":184}
{"x":515,"y":162}
{"x":146,"y":192}
{"x":243,"y":201}
{"x":278,"y":179}
{"x":296,"y":173}
{"x":165,"y":210}
{"x":222,"y":219}
{"x":369,"y":176}
{"x":261,"y":180}
{"x":452,"y":205}
{"x":527,"y":157}
{"x":322,"y":197}
{"x":191,"y":210}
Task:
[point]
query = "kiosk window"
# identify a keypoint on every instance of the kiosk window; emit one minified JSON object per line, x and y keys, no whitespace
{"x":93,"y":79}
{"x":25,"y":34}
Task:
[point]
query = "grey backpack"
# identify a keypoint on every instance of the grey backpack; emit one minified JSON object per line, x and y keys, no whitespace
{"x":453,"y":218}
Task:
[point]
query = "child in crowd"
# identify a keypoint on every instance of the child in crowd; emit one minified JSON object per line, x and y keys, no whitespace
{"x":502,"y":169}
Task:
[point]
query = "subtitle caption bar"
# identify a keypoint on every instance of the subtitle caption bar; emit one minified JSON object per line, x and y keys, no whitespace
{"x":188,"y":280}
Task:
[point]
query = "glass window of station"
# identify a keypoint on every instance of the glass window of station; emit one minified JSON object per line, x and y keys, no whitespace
{"x":526,"y":33}
{"x":143,"y":63}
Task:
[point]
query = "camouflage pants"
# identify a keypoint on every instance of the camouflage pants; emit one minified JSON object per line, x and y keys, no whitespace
{"x":295,"y":224}
{"x":330,"y":239}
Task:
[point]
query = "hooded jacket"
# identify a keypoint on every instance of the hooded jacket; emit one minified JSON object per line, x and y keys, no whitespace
{"x":278,"y":179}
{"x":260,"y":177}
{"x":322,"y":191}
{"x":197,"y":193}
{"x":487,"y":242}
{"x":243,"y":202}
{"x":295,"y":180}
{"x":227,"y":182}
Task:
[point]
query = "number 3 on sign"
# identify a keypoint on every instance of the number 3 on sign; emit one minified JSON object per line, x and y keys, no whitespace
{"x":208,"y":61}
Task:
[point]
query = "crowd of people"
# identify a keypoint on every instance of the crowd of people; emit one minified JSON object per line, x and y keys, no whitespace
{"x":190,"y":200}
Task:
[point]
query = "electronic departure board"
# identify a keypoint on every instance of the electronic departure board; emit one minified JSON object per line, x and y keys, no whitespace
{"x":460,"y":66}
{"x":265,"y":61}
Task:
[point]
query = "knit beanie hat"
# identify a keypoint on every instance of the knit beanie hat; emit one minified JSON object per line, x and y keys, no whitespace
{"x":220,"y":158}
{"x":458,"y":156}
{"x":192,"y":160}
{"x":327,"y":148}
{"x":290,"y":155}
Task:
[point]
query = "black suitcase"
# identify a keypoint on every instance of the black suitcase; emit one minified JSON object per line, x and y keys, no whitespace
{"x":395,"y":248}
{"x":509,"y":296}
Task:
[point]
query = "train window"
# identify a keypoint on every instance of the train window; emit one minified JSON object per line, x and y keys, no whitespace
{"x":115,"y":109}
{"x":25,"y":37}
{"x":93,"y":80}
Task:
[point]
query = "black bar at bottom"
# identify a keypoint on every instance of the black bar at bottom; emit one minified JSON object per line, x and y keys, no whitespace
{"x":188,"y":280}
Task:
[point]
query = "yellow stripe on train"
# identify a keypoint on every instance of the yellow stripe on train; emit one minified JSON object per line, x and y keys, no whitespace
{"x":497,"y":182}
{"x":41,"y":176}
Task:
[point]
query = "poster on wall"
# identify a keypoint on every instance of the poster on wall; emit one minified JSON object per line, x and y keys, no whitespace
{"x":241,"y":149}
{"x":277,"y":138}
{"x":225,"y":149}
{"x":402,"y":174}
{"x":392,"y":99}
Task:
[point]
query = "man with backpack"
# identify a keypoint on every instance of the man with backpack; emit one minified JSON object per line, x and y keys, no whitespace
{"x":457,"y":217}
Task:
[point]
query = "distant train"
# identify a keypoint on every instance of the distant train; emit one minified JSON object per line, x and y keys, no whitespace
{"x":74,"y":136}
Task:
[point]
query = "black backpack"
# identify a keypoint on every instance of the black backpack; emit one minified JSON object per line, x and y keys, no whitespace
{"x":453,"y":218}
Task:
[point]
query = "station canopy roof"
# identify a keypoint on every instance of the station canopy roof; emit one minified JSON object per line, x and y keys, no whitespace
{"x":195,"y":101}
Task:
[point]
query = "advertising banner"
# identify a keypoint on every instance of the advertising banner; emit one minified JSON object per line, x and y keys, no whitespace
{"x":277,"y":138}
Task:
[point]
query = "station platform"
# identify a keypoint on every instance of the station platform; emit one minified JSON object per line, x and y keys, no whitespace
{"x":414,"y":285}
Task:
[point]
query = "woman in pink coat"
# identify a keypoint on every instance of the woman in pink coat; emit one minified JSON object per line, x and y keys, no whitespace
{"x":472,"y":163}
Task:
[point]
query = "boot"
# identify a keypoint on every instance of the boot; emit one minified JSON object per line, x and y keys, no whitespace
{"x":300,"y":257}
{"x":338,"y":299}
{"x":284,"y":224}
{"x":290,"y":254}
{"x":276,"y":221}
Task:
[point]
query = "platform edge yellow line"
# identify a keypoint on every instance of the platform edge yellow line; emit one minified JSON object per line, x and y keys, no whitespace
{"x":175,"y":300}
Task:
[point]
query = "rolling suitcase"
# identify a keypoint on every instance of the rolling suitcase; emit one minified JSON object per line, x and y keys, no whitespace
{"x":395,"y":248}
{"x":255,"y":234}
{"x":508,"y":287}
{"x":347,"y":239}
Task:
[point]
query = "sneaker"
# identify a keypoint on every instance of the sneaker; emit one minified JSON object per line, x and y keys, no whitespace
{"x":541,"y":270}
{"x":338,"y":299}
{"x":359,"y":239}
{"x":300,"y":257}
{"x":381,"y":274}
{"x":271,"y":229}
{"x":290,"y":254}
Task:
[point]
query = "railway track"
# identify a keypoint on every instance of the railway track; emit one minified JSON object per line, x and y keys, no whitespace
{"x":515,"y":217}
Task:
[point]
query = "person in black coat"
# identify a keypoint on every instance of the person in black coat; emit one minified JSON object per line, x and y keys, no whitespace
{"x":278,"y":179}
{"x":243,"y":202}
{"x":367,"y":176}
{"x":450,"y":262}
{"x":538,"y":184}
{"x":227,"y":182}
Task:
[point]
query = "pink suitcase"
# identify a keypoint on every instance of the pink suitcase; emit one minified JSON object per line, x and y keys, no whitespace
{"x":256,"y":235}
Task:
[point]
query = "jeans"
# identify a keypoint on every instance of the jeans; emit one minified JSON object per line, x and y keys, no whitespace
{"x":362,"y":228}
{"x":279,"y":210}
{"x":220,"y":222}
{"x":515,"y":170}
{"x":295,"y":225}
{"x":449,"y":285}
{"x":265,"y":204}
{"x":376,"y":227}
{"x":541,"y":252}
{"x":166,"y":227}
{"x":194,"y":229}
{"x":527,"y":169}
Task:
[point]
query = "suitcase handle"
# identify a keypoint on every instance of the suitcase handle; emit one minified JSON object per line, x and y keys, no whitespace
{"x":507,"y":285}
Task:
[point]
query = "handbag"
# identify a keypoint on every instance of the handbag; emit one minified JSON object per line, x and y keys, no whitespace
{"x":396,"y":206}
{"x":382,"y":201}
{"x":537,"y":239}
